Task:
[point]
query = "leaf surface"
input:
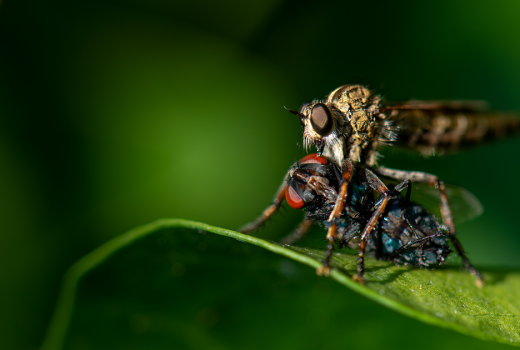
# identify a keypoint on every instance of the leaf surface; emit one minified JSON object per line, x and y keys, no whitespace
{"x":135,"y":277}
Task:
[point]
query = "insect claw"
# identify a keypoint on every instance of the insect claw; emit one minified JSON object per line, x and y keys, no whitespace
{"x":359,"y":279}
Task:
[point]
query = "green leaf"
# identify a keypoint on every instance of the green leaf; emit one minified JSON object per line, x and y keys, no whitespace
{"x":136,"y":279}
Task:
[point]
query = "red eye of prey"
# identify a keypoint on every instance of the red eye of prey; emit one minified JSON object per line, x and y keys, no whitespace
{"x":313,"y":159}
{"x":293,"y":198}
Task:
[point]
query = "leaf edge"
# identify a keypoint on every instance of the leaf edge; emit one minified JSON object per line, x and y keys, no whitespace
{"x":55,"y":336}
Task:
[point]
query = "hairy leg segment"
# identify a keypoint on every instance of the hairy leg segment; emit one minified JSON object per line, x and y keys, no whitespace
{"x":347,"y":170}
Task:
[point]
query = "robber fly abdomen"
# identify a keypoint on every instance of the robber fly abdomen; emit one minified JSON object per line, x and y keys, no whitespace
{"x":441,"y":129}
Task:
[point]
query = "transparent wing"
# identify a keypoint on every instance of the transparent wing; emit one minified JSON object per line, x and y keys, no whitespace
{"x":464,"y":205}
{"x":454,"y":106}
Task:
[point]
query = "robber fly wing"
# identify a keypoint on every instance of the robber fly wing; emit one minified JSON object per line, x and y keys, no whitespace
{"x":464,"y":205}
{"x":439,"y":127}
{"x":475,"y":106}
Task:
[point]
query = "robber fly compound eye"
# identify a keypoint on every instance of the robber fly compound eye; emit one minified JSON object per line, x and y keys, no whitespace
{"x":321,"y":119}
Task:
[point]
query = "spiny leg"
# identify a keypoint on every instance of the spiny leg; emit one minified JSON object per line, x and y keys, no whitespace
{"x":419,"y":241}
{"x":347,"y":170}
{"x":404,"y":205}
{"x":467,"y":264}
{"x":447,"y":218}
{"x":380,"y":187}
{"x":299,"y":232}
{"x":269,"y":211}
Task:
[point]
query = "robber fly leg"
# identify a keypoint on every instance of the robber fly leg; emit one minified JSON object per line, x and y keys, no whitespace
{"x":269,"y":211}
{"x":446,"y":213}
{"x":447,"y":218}
{"x":432,"y":180}
{"x":347,"y":171}
{"x":380,"y":187}
{"x":404,"y":204}
{"x":299,"y":232}
{"x":465,"y":260}
{"x":422,"y":240}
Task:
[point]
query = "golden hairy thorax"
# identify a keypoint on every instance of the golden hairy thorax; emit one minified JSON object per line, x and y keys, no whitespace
{"x":361,"y":109}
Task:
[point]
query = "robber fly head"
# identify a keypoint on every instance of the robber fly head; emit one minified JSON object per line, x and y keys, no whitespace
{"x":325,"y":128}
{"x":343,"y":125}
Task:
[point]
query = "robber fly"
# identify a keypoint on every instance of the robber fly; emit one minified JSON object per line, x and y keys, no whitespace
{"x":350,"y":126}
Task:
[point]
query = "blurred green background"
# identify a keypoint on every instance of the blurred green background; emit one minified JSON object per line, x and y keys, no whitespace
{"x":116,"y":113}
